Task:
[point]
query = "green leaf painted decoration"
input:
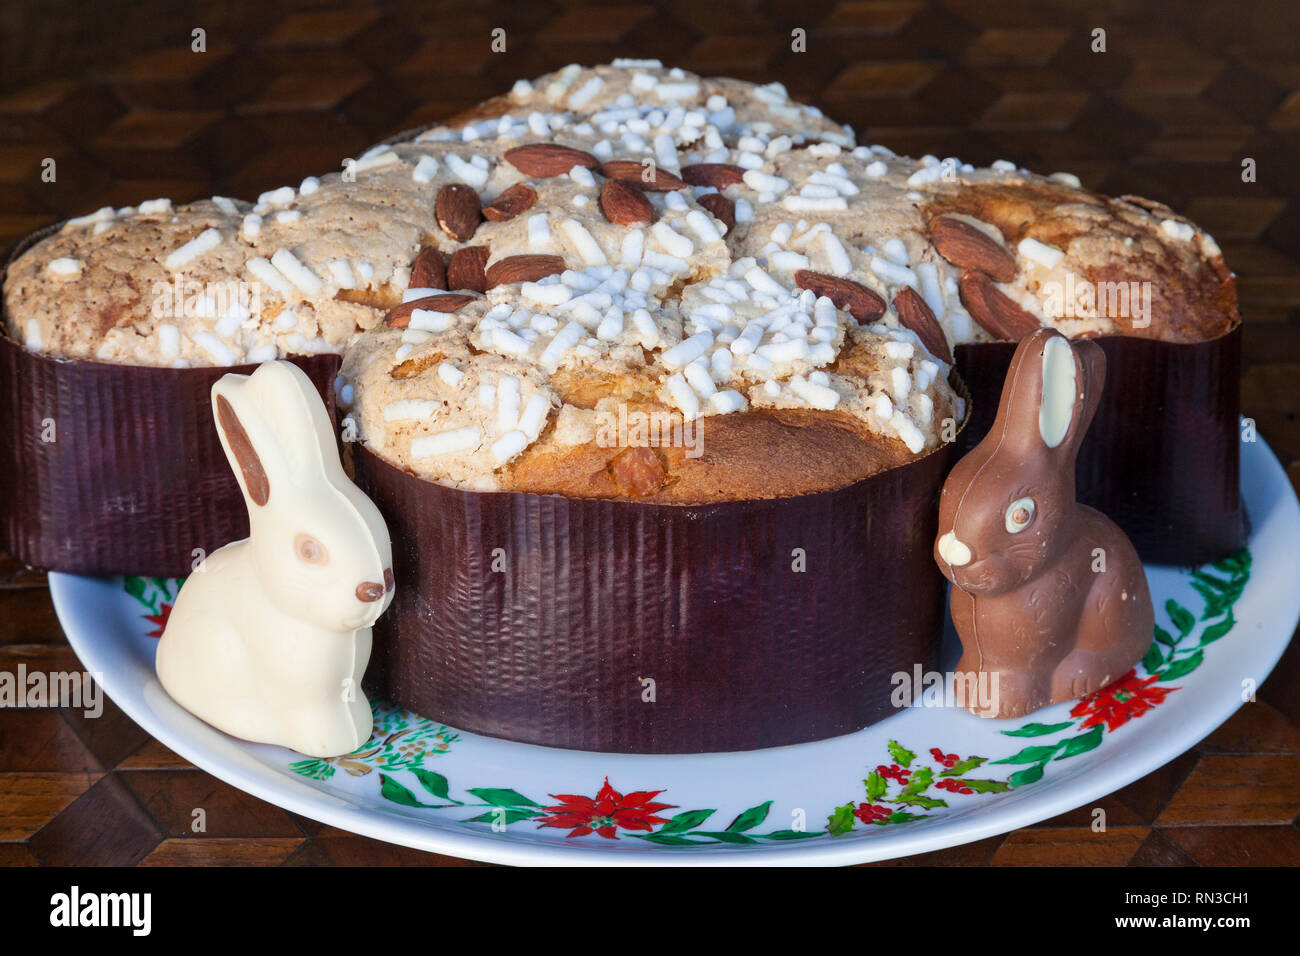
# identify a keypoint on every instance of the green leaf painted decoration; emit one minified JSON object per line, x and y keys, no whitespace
{"x":136,"y":587}
{"x":1182,"y":666}
{"x":685,"y":821}
{"x":920,"y":800}
{"x":1082,"y":743}
{"x":902,"y":756}
{"x":1039,"y":730}
{"x":1215,"y":631}
{"x":1213,"y":598}
{"x":314,"y":769}
{"x":435,"y":783}
{"x":965,"y":766}
{"x":725,"y":836}
{"x":666,"y":839}
{"x":1028,"y":775}
{"x":1164,"y":637}
{"x":502,"y":798}
{"x":840,"y":820}
{"x":984,"y":786}
{"x":1182,"y":618}
{"x":788,"y":835}
{"x":900,"y":816}
{"x":390,"y":789}
{"x":1153,"y":658}
{"x":750,"y":818}
{"x":1234,"y":562}
{"x":920,"y":781}
{"x":876,"y":786}
{"x":1032,"y":755}
{"x":1215,"y":582}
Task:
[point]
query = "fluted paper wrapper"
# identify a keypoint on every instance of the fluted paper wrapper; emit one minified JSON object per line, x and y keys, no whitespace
{"x":1162,"y":457}
{"x":134,"y":479}
{"x":640,"y":628}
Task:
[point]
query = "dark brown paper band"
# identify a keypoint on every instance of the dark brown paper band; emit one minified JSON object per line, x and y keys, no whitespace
{"x":1162,"y":457}
{"x":542,"y":618}
{"x":117,"y":469}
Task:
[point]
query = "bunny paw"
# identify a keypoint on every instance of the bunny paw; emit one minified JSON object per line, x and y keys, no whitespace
{"x":1017,"y":694}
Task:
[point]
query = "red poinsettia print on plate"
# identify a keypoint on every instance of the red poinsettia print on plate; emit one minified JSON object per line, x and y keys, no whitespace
{"x":1117,"y":703}
{"x":159,"y":621}
{"x":158,"y":595}
{"x":607,"y":813}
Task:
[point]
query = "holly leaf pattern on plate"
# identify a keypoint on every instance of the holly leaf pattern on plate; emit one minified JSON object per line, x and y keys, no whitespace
{"x":965,"y":766}
{"x":840,"y":820}
{"x":902,"y":756}
{"x":876,"y":786}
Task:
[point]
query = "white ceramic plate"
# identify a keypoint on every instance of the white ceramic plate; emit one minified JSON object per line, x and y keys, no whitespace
{"x":928,"y":778}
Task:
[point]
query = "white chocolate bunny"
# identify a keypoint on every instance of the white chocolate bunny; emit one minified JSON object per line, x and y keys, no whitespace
{"x":268,"y":641}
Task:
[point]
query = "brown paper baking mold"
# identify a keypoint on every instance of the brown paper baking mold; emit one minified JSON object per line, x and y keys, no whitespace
{"x":134,"y":480}
{"x":596,"y":599}
{"x":1162,"y":458}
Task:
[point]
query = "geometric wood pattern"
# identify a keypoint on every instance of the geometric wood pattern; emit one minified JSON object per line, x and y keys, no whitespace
{"x":1183,"y":93}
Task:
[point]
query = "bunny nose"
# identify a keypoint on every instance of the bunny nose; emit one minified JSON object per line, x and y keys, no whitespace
{"x":368,"y":591}
{"x":953,"y":551}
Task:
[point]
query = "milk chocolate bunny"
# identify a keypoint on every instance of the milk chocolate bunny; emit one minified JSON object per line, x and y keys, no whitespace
{"x":1048,"y":594}
{"x":269,"y":639}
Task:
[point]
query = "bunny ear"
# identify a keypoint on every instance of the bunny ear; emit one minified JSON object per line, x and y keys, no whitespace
{"x":240,"y":451}
{"x":263,"y":430}
{"x":1016,"y":423}
{"x":1073,"y":376}
{"x":1056,"y":411}
{"x":297,"y":426}
{"x":1051,"y":392}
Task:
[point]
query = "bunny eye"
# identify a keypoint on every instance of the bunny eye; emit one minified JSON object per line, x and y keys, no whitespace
{"x":310,"y":550}
{"x":1019,"y":514}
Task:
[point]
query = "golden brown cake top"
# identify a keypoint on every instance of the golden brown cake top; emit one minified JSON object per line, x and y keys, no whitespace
{"x":631,"y":235}
{"x":316,"y":264}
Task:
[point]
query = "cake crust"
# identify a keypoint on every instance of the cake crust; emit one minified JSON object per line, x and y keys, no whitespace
{"x":619,"y":241}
